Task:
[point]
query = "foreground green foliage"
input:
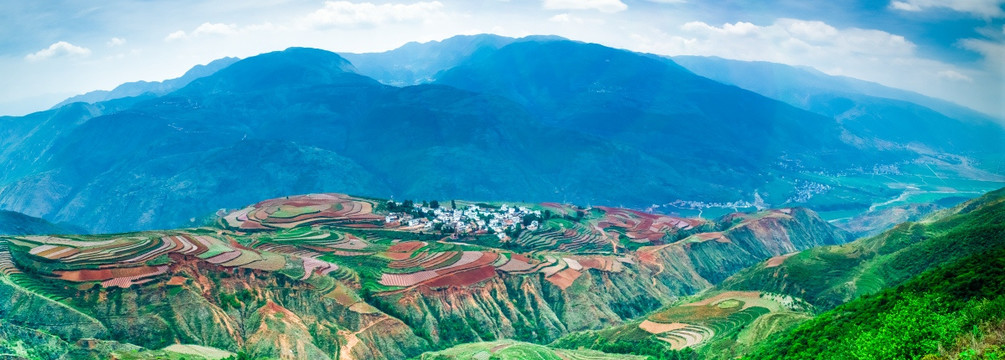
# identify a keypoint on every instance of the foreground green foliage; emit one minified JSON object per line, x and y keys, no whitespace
{"x":908,"y":322}
{"x":831,"y":275}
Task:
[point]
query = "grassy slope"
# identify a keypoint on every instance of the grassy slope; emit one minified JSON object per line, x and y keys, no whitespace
{"x":511,"y":349}
{"x":831,"y":275}
{"x":926,"y":314}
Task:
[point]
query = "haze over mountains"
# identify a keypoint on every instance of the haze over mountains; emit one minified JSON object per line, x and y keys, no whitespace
{"x":484,"y":117}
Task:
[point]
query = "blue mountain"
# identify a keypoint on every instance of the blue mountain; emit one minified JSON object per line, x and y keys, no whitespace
{"x":539,"y":119}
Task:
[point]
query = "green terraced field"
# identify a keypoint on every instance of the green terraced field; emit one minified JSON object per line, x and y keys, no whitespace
{"x":515,"y":350}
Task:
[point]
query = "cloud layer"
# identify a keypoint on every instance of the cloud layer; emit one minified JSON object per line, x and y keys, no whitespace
{"x":348,"y":14}
{"x":983,"y":8}
{"x":607,"y":6}
{"x":58,"y":49}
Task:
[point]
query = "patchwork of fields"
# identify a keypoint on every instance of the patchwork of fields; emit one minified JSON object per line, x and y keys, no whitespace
{"x":340,"y":248}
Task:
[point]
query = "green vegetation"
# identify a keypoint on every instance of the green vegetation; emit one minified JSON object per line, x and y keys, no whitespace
{"x":918,"y":318}
{"x":831,"y":275}
{"x":515,"y":350}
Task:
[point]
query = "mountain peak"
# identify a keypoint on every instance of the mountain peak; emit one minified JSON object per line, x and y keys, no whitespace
{"x":295,"y":66}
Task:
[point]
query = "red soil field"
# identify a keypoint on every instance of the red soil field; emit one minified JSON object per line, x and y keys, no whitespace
{"x":464,"y":278}
{"x":105,"y":274}
{"x":563,"y":279}
{"x":406,"y":246}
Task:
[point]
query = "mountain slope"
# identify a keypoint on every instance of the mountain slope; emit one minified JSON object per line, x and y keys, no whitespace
{"x":12,"y":223}
{"x":829,"y":276}
{"x":309,"y":98}
{"x":327,"y":275}
{"x":417,"y":63}
{"x":754,"y":310}
{"x":795,"y":85}
{"x":867,"y":110}
{"x":962,"y":299}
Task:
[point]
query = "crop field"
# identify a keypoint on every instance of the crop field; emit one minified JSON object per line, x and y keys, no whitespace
{"x":606,"y":229}
{"x":318,"y":239}
{"x":697,"y":323}
{"x":296,"y":211}
{"x":511,"y":349}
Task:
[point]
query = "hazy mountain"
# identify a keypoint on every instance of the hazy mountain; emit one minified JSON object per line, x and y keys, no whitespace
{"x":418,"y":63}
{"x":139,"y":88}
{"x":868,"y":110}
{"x":796,"y":85}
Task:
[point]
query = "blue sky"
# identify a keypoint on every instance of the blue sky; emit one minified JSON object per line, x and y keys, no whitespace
{"x":952,"y":49}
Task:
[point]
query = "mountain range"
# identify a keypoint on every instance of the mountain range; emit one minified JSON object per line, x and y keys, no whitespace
{"x":535,"y":119}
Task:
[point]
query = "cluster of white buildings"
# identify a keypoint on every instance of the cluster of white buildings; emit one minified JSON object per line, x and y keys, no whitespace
{"x":473,"y":219}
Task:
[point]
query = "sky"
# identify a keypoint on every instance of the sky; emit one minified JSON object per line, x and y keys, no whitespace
{"x":950,"y":49}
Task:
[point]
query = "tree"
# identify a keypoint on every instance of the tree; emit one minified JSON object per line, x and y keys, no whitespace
{"x":434,"y":204}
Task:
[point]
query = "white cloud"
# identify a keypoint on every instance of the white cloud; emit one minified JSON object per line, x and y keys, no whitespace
{"x":983,"y":8}
{"x":668,"y":1}
{"x":992,"y":51}
{"x":205,"y":29}
{"x":954,"y":76}
{"x":566,"y":18}
{"x":786,"y":40}
{"x":58,"y":49}
{"x":215,"y":29}
{"x":347,"y":14}
{"x":115,"y":41}
{"x":607,"y":6}
{"x":177,"y":35}
{"x":561,"y":18}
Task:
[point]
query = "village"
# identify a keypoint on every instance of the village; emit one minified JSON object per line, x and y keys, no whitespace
{"x":473,"y":219}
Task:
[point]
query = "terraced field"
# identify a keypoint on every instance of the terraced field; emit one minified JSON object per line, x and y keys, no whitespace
{"x":303,"y":210}
{"x":511,"y":349}
{"x":339,"y":245}
{"x":343,"y":237}
{"x":722,"y":315}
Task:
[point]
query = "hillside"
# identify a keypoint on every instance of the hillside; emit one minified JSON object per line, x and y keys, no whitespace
{"x":953,"y":311}
{"x":832,"y":275}
{"x":330,"y":275}
{"x":12,"y":223}
{"x":870,"y":112}
{"x":510,"y":119}
{"x":754,"y":310}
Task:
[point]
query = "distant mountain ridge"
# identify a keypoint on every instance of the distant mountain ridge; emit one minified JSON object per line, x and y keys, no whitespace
{"x":779,"y":81}
{"x":419,"y":63}
{"x":156,"y":88}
